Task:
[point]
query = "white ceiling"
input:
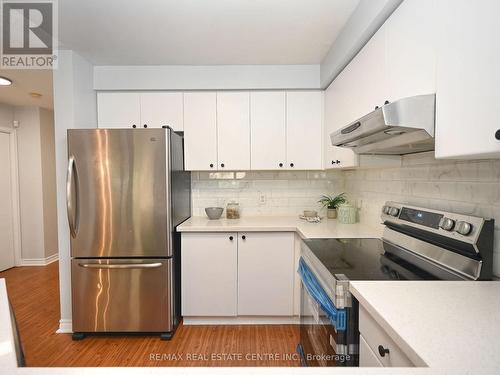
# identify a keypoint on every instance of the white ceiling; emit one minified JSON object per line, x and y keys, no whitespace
{"x":25,"y":81}
{"x":202,"y":32}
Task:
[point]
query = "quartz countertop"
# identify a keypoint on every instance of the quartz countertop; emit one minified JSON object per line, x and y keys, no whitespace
{"x":452,"y":326}
{"x":325,"y":229}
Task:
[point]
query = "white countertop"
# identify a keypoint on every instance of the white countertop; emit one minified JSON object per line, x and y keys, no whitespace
{"x":325,"y":229}
{"x":453,"y":326}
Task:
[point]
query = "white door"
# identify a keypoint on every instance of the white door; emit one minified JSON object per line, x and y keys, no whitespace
{"x":200,"y":131}
{"x":208,"y":272}
{"x":265,"y":273}
{"x":162,"y":109}
{"x":268,"y":130}
{"x":468,"y":79}
{"x":411,"y":54}
{"x":233,"y":130}
{"x":7,"y":259}
{"x":118,"y":110}
{"x":304,"y":130}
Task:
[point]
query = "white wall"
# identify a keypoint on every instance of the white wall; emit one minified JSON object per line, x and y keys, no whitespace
{"x":363,"y":23}
{"x":213,"y":77}
{"x":74,"y":107}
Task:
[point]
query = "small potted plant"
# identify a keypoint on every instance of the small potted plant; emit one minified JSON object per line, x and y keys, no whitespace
{"x":331,"y":203}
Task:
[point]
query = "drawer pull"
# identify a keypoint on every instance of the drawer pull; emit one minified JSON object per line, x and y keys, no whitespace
{"x":382,"y":351}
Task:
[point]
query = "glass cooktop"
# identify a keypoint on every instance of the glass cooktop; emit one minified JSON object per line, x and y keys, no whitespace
{"x":364,"y":259}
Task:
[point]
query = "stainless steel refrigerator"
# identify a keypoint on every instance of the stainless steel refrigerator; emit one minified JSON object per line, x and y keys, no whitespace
{"x":127,"y":190}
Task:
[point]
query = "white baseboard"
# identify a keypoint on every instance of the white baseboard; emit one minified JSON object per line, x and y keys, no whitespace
{"x":65,"y":326}
{"x":234,"y":320}
{"x":39,"y":261}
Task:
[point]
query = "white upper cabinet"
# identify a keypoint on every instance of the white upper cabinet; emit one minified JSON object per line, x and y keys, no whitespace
{"x":233,"y":130}
{"x":118,"y":109}
{"x":268,"y":130}
{"x":162,"y":108}
{"x":411,"y":49}
{"x":468,"y":79}
{"x":304,"y":129}
{"x":200,"y":131}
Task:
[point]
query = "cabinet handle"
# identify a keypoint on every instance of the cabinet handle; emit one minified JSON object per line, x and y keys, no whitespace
{"x":211,"y":165}
{"x":222,"y":165}
{"x":145,"y":125}
{"x":134,"y":126}
{"x":243,"y":237}
{"x":231,"y":238}
{"x":497,"y":134}
{"x":382,"y":351}
{"x":281,"y":165}
{"x":291,"y":165}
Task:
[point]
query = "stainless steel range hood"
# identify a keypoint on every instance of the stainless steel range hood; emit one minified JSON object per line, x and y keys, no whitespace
{"x":403,"y":127}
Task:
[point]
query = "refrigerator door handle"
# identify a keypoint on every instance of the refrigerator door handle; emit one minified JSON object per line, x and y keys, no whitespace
{"x":120,"y":265}
{"x":71,"y":202}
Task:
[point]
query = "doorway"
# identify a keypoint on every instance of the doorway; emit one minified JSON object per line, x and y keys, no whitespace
{"x":9,"y":214}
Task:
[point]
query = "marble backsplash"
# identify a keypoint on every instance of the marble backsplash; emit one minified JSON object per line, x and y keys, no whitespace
{"x":468,"y":187}
{"x":264,"y":193}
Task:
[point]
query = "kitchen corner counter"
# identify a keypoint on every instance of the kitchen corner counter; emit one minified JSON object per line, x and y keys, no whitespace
{"x":452,"y":326}
{"x":325,"y":229}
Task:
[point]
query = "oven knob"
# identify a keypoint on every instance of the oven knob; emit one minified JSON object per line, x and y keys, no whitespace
{"x":393,"y":211}
{"x":446,"y":223}
{"x":463,"y":228}
{"x":386,"y":209}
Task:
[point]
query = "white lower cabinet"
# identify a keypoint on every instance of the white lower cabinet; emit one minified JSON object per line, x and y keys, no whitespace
{"x":376,"y":348}
{"x":265,"y":273}
{"x":209,"y":274}
{"x":238,"y":274}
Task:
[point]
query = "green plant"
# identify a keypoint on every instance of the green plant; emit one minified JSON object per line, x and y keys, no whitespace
{"x":332,"y":202}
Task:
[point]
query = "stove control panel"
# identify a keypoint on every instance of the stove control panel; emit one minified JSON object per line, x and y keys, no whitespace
{"x":392,"y":211}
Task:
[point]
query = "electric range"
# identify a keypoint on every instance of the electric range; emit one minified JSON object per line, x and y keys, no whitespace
{"x":417,"y":244}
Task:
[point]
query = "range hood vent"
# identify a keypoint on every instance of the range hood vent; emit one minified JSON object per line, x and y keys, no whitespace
{"x":403,"y":127}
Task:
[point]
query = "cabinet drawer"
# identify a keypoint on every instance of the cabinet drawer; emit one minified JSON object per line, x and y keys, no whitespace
{"x":374,"y":335}
{"x":367,"y":358}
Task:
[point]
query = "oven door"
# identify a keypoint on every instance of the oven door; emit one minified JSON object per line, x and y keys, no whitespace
{"x":321,"y":343}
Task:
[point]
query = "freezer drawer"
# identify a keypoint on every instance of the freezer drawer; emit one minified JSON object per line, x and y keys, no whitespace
{"x":120,"y":295}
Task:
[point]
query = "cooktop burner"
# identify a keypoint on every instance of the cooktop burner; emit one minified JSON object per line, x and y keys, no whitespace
{"x":364,"y":259}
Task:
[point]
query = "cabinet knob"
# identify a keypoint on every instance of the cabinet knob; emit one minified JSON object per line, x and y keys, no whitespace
{"x":231,"y":238}
{"x":134,"y":126}
{"x":377,"y":107}
{"x":291,"y":165}
{"x":243,"y":237}
{"x":497,"y":134}
{"x":382,"y":351}
{"x":337,"y":161}
{"x":145,"y":125}
{"x":386,"y":102}
{"x":281,"y":165}
{"x":211,"y":165}
{"x":222,"y":165}
{"x":164,"y":126}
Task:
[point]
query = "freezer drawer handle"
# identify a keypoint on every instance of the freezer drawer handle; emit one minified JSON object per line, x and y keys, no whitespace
{"x":130,"y":265}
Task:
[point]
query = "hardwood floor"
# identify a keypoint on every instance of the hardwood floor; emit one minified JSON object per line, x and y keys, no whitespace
{"x":34,"y":294}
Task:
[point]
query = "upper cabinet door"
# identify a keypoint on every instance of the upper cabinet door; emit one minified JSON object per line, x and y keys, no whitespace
{"x":411,"y":53}
{"x":468,"y":79}
{"x":364,"y":79}
{"x":200,"y":131}
{"x":118,"y":109}
{"x":268,"y":130}
{"x":162,"y":108}
{"x":233,"y":130}
{"x":304,"y":129}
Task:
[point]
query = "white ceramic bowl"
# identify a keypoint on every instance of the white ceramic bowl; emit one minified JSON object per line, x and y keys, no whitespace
{"x":214,"y":213}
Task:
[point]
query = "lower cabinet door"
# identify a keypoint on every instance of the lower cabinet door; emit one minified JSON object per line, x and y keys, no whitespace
{"x":265,"y":274}
{"x":367,"y":357}
{"x":209,"y":266}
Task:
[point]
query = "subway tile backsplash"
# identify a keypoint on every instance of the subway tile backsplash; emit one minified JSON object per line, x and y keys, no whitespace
{"x":263,"y":193}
